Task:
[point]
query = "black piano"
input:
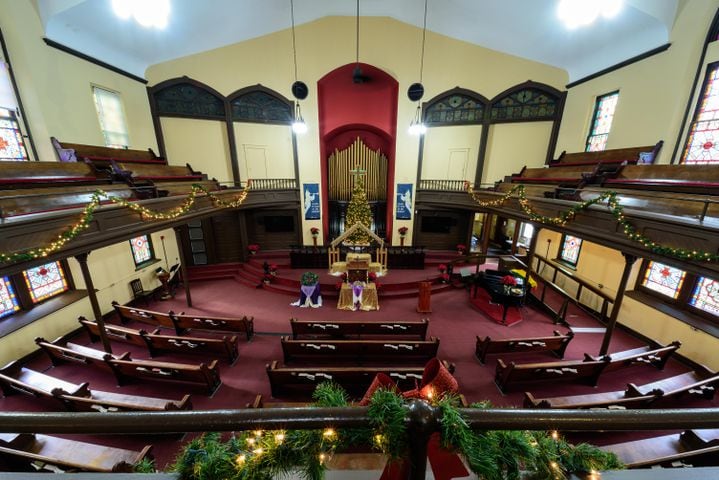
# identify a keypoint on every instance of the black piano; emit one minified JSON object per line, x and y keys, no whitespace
{"x":493,"y":281}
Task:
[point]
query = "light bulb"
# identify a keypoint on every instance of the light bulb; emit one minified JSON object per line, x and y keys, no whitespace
{"x":576,"y":13}
{"x":417,"y":129}
{"x":299,"y":126}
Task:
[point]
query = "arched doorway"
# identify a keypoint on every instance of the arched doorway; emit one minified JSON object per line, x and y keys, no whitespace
{"x":351,"y":110}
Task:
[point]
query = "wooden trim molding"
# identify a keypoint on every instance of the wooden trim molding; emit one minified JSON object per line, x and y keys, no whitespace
{"x":93,"y":60}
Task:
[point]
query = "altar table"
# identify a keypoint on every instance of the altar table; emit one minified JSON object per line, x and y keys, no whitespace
{"x":367,"y":299}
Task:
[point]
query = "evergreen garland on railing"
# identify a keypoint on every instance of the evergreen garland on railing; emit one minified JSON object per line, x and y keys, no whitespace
{"x":614,"y":208}
{"x":491,"y":455}
{"x":146,"y":214}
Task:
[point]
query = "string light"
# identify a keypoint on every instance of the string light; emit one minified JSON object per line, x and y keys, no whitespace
{"x":279,"y":438}
{"x":258,"y":451}
{"x":615,"y":209}
{"x":240,"y":460}
{"x":328,"y":433}
{"x":251,"y":441}
{"x":146,"y":214}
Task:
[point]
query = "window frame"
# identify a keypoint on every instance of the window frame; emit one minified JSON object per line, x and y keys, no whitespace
{"x":710,"y":68}
{"x":681,"y":303}
{"x":149,"y":261}
{"x":24,"y":297}
{"x":593,"y":120}
{"x":560,"y":258}
{"x":100,"y":119}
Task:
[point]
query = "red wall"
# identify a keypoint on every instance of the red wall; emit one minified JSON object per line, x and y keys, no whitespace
{"x":348,"y":110}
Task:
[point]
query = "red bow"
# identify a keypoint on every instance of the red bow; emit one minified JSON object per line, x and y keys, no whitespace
{"x":436,"y":381}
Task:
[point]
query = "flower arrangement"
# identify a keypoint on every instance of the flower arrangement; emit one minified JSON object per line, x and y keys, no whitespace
{"x":338,"y":285}
{"x":314,"y":231}
{"x":442,"y":267}
{"x":273,"y":269}
{"x":444,"y":278}
{"x":461,"y":248}
{"x":253,"y":248}
{"x":309,"y":278}
{"x":267,"y":278}
{"x":403,"y":231}
{"x":372,"y":276}
{"x":509,"y":280}
{"x":523,"y":274}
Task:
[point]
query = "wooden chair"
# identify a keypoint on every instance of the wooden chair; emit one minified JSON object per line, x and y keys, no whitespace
{"x":139,"y":292}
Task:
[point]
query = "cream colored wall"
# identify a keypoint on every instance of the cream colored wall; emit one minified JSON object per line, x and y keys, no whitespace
{"x":55,"y":87}
{"x":201,"y":143}
{"x":325,"y":44}
{"x":111,"y":268}
{"x":653,"y":93}
{"x":450,"y":153}
{"x":264,"y":151}
{"x":511,"y":146}
{"x":602,"y":267}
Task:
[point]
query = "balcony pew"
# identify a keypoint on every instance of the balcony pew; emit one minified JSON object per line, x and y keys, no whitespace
{"x":508,"y":375}
{"x":157,"y":172}
{"x":303,"y":380}
{"x":124,"y":367}
{"x":21,"y":175}
{"x":555,"y":345}
{"x":360,"y":352}
{"x":655,"y":355}
{"x":16,"y":378}
{"x":691,"y":446}
{"x":632,"y":155}
{"x":101,"y":155}
{"x":574,"y":176}
{"x":47,"y":453}
{"x":694,"y":179}
{"x":155,"y":341}
{"x":183,"y":322}
{"x":324,"y":329}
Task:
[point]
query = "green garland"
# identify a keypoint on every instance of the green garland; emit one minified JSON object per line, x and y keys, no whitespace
{"x":146,"y":214}
{"x":614,"y":208}
{"x":492,"y":455}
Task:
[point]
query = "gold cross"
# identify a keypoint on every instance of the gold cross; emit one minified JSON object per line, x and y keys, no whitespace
{"x":357,"y":173}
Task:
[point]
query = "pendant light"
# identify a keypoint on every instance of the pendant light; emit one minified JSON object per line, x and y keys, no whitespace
{"x":415,"y":92}
{"x":299,"y":89}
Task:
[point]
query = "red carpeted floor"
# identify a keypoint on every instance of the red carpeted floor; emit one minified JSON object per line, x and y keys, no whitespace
{"x":453,"y":320}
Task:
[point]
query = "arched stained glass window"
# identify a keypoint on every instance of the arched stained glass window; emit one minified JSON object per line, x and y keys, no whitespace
{"x":525,"y":105}
{"x":454,"y":108}
{"x":260,"y":107}
{"x":664,"y":279}
{"x":141,"y":249}
{"x":602,"y":122}
{"x":45,"y":281}
{"x":12,"y":146}
{"x":706,"y":295}
{"x":8,"y":300}
{"x":703,"y":142}
{"x":189,"y":100}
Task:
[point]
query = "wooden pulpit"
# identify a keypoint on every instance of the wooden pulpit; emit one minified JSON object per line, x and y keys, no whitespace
{"x":423,"y":300}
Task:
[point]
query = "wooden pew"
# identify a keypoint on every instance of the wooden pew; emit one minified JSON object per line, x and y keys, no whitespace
{"x":702,"y":383}
{"x":668,"y":178}
{"x":102,"y":155}
{"x":555,"y":345}
{"x":360,"y":351}
{"x":632,"y":155}
{"x":157,"y":172}
{"x":618,"y":400}
{"x":697,"y":447}
{"x":168,"y":189}
{"x":303,"y":380}
{"x":20,"y":175}
{"x":655,"y":355}
{"x":323,"y":329}
{"x":59,"y":454}
{"x":225,"y":347}
{"x":100,"y":401}
{"x":16,"y":378}
{"x":205,"y":375}
{"x":183,"y":322}
{"x":507,"y":376}
{"x":14,"y":202}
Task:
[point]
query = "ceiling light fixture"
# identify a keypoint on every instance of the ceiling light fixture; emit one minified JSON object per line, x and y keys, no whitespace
{"x":299,"y":89}
{"x":148,"y":13}
{"x":578,"y":13}
{"x":416,"y":90}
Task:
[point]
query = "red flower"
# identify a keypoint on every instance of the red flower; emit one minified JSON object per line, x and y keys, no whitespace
{"x":267,"y":277}
{"x":314,"y":231}
{"x":273,"y":268}
{"x":461,"y":247}
{"x":253,"y":247}
{"x":442,"y":267}
{"x":509,"y":280}
{"x":402,"y":230}
{"x":338,"y":285}
{"x":444,"y":277}
{"x":372,"y":276}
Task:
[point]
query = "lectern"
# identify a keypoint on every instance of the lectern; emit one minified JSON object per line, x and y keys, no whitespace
{"x":423,"y":300}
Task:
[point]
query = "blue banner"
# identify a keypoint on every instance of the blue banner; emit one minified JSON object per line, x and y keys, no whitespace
{"x":312,"y":201}
{"x":404,"y":201}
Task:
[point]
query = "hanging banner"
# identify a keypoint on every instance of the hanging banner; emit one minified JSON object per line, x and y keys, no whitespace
{"x":404,"y":201}
{"x":312,"y":201}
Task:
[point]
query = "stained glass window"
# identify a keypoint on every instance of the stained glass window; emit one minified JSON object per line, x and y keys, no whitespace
{"x":8,"y":301}
{"x":11,"y":141}
{"x":570,"y":249}
{"x":703,"y":141}
{"x":706,"y":295}
{"x":141,"y":249}
{"x":112,"y":117}
{"x":664,"y":279}
{"x":602,"y":122}
{"x":45,"y":281}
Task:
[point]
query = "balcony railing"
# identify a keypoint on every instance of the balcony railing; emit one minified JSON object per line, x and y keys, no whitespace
{"x":442,"y":185}
{"x":273,"y":184}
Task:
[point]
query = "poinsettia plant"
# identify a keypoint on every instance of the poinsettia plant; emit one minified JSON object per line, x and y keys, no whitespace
{"x":441,"y":267}
{"x":309,"y":279}
{"x":509,"y":280}
{"x":403,"y":231}
{"x":315,"y":231}
{"x":273,"y":269}
{"x":253,"y":247}
{"x":444,"y":277}
{"x":461,"y":247}
{"x":372,"y":276}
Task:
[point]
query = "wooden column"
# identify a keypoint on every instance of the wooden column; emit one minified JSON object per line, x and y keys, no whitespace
{"x":530,"y":259}
{"x":628,"y":263}
{"x":183,"y":266}
{"x":82,"y":260}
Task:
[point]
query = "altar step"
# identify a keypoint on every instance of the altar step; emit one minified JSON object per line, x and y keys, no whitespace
{"x":212,"y":272}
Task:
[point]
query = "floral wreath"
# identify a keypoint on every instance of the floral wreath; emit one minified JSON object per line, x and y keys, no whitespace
{"x":309,"y":278}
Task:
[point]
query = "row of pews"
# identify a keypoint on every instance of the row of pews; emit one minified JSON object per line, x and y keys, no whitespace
{"x":36,"y":187}
{"x":57,"y":454}
{"x":351,"y":353}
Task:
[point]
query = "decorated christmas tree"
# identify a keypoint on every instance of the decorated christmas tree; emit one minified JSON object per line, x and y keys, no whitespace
{"x":358,"y":211}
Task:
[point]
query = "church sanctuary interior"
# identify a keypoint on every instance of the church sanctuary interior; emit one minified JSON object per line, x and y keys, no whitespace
{"x":359,"y":239}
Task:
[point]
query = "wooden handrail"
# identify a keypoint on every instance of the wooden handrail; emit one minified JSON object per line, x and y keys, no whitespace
{"x":583,"y":283}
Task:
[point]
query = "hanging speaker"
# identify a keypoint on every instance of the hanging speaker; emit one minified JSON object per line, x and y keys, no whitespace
{"x":300,"y":90}
{"x":415,"y":92}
